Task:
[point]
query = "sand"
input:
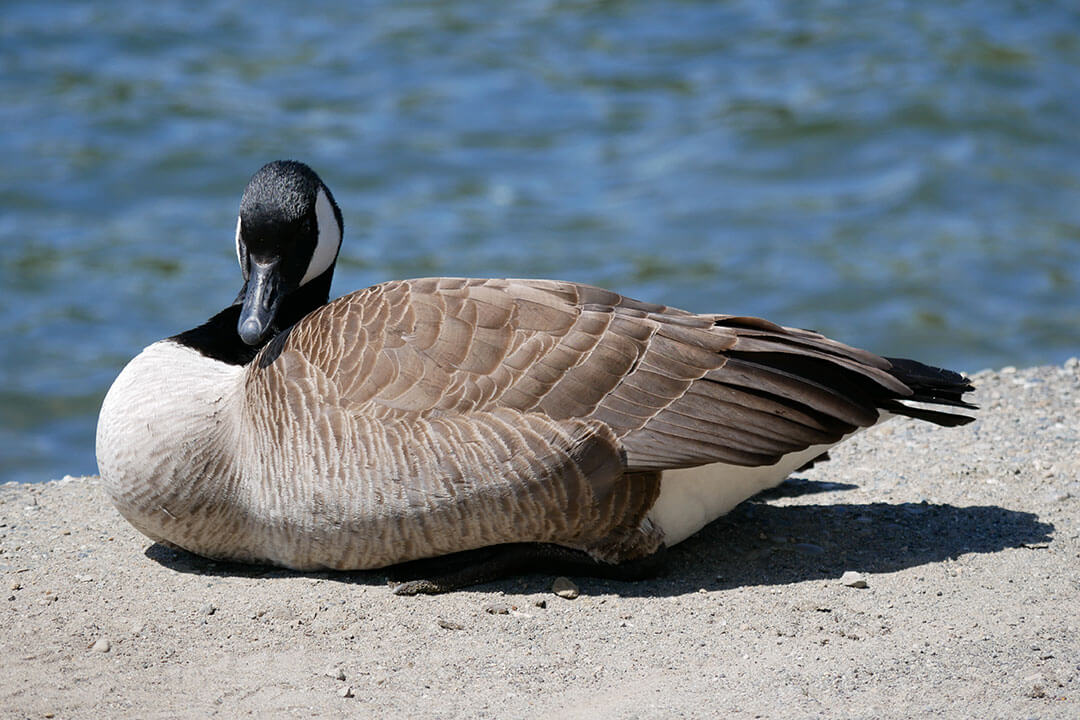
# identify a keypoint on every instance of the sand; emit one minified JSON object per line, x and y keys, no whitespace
{"x":968,"y":541}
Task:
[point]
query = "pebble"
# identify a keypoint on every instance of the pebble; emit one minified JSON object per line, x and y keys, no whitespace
{"x":334,"y":671}
{"x":102,"y":645}
{"x":346,"y":691}
{"x":497,"y":609}
{"x":542,"y":604}
{"x":450,"y":624}
{"x":854,"y":579}
{"x":564,"y":588}
{"x":809,"y":548}
{"x":207,"y":609}
{"x":1036,"y":686}
{"x":1056,"y":496}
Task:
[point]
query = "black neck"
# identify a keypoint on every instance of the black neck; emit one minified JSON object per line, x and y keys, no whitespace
{"x":217,"y":338}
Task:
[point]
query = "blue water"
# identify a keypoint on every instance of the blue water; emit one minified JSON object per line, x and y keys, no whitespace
{"x":902,"y":175}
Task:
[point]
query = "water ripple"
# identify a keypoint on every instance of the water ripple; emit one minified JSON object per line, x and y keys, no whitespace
{"x":903,"y":175}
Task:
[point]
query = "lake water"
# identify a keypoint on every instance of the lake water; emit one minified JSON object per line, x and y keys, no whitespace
{"x":902,"y":175}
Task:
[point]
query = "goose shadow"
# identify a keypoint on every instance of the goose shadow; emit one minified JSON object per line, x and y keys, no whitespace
{"x":756,"y":544}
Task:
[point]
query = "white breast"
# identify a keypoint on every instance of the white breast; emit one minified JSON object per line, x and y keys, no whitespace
{"x":169,"y":406}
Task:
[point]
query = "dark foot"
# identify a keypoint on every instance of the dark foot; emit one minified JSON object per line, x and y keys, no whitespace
{"x":452,"y":572}
{"x":823,"y":457}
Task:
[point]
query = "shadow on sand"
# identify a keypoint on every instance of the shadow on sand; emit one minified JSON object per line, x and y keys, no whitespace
{"x":756,"y":544}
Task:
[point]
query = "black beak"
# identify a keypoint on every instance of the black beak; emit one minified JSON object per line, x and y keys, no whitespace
{"x":261,"y":300}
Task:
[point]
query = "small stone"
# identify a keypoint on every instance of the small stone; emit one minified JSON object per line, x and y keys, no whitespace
{"x":207,"y":609}
{"x":333,"y":671}
{"x":1056,"y":496}
{"x":809,"y":548}
{"x":542,"y":604}
{"x":102,"y":645}
{"x":497,"y":609}
{"x":564,"y":588}
{"x":1036,"y":686}
{"x":854,"y":579}
{"x":450,"y":624}
{"x":346,"y":691}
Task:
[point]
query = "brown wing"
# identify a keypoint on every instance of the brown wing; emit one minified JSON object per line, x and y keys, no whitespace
{"x":389,"y":485}
{"x":677,"y":389}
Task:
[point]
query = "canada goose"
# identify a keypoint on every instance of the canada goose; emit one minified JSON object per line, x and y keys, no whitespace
{"x":420,"y":418}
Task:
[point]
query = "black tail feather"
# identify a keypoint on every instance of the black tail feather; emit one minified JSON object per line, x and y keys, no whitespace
{"x":930,"y":385}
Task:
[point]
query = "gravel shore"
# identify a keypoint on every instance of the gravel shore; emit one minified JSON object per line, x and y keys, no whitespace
{"x":967,"y":541}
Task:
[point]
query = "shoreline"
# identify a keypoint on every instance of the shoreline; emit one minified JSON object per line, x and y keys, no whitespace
{"x":968,"y":540}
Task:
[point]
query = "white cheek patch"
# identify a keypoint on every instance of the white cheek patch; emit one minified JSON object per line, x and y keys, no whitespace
{"x":329,"y":238}
{"x":239,"y":259}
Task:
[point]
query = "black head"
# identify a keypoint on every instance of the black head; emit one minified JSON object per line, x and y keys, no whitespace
{"x":287,"y":239}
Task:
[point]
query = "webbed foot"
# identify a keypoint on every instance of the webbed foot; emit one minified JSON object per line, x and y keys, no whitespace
{"x":453,"y":572}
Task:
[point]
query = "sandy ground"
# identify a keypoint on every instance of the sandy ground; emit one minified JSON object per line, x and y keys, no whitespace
{"x":969,"y":540}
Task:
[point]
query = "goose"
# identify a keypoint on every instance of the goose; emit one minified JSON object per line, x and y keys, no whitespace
{"x":432,"y":417}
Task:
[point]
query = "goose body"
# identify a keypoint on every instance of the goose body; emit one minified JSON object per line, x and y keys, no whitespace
{"x":424,"y":417}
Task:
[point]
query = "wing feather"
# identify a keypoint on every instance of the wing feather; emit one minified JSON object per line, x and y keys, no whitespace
{"x":676,"y":389}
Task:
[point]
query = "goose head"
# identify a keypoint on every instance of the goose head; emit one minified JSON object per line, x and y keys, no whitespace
{"x":288,"y":235}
